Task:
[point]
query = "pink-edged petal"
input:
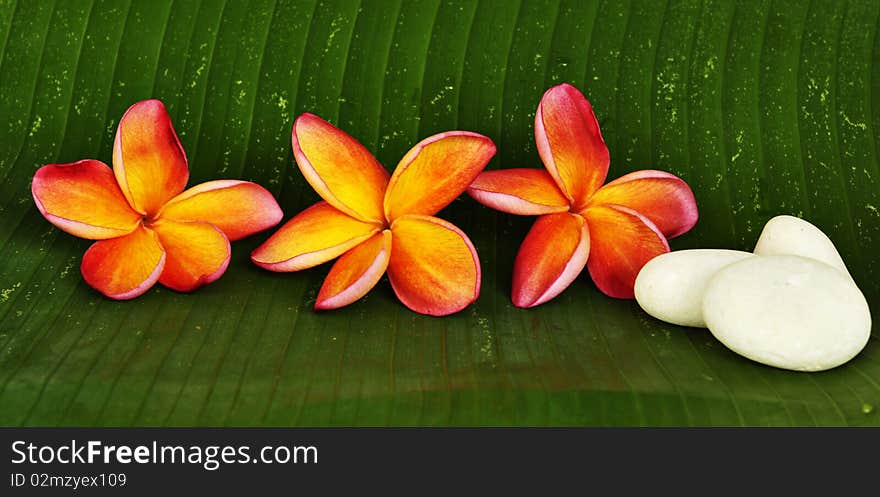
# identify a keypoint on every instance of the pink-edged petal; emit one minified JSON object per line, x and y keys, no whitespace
{"x":552,"y":255}
{"x":238,"y":208}
{"x":83,"y":199}
{"x":436,"y":171}
{"x":570,"y":143}
{"x":434,"y":267}
{"x":662,"y":197}
{"x":355,"y":273}
{"x":527,"y":192}
{"x":148,"y":160}
{"x":314,"y":236}
{"x":125,"y":267}
{"x":623,"y":241}
{"x":197,"y":253}
{"x":339,"y":168}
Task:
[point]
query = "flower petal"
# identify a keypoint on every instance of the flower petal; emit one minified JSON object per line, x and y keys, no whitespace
{"x":197,"y":253}
{"x":436,"y":171}
{"x":339,"y":168}
{"x":148,"y":160}
{"x":662,"y":197}
{"x":570,"y":143}
{"x":552,"y":255}
{"x":125,"y":267}
{"x":238,"y":208}
{"x":83,"y":199}
{"x":622,"y":242}
{"x":315,"y":236}
{"x":355,"y":273}
{"x":527,"y":192}
{"x":434,"y":267}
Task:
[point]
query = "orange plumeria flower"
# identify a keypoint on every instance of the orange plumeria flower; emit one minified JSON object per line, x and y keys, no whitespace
{"x":376,"y":223}
{"x":614,"y":229}
{"x":148,"y":228}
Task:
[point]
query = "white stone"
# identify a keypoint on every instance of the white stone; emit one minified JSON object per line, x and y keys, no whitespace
{"x":789,"y":235}
{"x":670,"y":286}
{"x":787,"y":311}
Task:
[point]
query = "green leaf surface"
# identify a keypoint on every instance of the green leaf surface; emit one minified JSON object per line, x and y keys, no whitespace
{"x":763,"y":107}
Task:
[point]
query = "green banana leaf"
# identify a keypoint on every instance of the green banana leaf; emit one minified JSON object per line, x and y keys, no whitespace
{"x":763,"y":107}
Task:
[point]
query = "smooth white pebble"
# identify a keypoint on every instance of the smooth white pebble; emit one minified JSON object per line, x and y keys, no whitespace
{"x":670,"y":286}
{"x":787,"y":311}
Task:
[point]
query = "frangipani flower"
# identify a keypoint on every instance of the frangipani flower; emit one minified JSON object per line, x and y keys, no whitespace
{"x":614,"y":229}
{"x":376,"y":224}
{"x":150,"y":229}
